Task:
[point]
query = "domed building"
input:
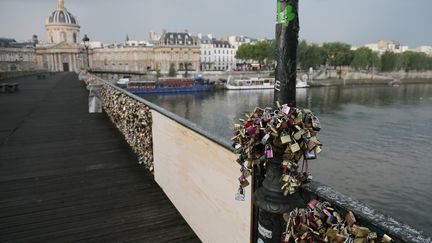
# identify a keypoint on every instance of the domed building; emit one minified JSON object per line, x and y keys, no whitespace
{"x":62,"y":53}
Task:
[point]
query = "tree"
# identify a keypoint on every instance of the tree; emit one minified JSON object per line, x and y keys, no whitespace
{"x":338,"y":54}
{"x":365,"y":59}
{"x":310,"y":56}
{"x":186,"y":74}
{"x":260,"y":52}
{"x":389,"y":61}
{"x":172,"y":72}
{"x":158,"y":74}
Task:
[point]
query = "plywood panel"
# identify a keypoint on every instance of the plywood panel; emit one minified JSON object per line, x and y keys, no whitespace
{"x":200,"y":178}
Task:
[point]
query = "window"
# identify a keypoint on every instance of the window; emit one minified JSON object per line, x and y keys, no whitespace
{"x":74,"y":38}
{"x":63,"y":36}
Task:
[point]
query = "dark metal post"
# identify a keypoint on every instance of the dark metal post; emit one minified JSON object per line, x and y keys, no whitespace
{"x":287,"y":29}
{"x":269,"y":197}
{"x":86,"y":41}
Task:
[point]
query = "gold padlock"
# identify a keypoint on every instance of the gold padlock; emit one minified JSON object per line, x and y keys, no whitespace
{"x":285,"y":138}
{"x":295,"y":147}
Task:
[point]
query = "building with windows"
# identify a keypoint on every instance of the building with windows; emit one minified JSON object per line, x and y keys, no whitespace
{"x":386,"y":45}
{"x":177,"y":48}
{"x":63,"y":51}
{"x":224,"y":55}
{"x":17,"y":56}
{"x":425,"y":49}
{"x":216,"y":55}
{"x":130,"y":56}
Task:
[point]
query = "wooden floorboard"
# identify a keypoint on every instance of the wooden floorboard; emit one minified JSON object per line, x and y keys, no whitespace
{"x":69,"y":176}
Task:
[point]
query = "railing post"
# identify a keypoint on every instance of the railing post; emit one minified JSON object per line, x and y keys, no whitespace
{"x":269,"y":197}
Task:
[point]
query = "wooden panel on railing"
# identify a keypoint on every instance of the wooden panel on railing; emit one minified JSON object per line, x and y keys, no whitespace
{"x":200,"y":177}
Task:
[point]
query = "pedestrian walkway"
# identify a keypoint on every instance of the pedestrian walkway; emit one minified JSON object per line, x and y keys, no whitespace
{"x":68,"y":176}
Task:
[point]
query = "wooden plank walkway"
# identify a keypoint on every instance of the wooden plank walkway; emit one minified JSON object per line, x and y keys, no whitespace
{"x":66,"y":175}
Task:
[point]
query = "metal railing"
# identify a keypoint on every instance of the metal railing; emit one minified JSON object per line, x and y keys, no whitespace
{"x":367,"y":216}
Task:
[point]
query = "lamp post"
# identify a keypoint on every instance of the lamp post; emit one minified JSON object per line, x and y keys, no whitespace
{"x":269,"y":196}
{"x":86,"y":42}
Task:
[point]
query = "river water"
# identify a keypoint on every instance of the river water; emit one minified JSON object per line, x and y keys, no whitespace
{"x":377,"y":139}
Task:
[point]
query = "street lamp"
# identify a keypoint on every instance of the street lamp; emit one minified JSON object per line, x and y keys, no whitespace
{"x":269,"y":198}
{"x":86,"y":41}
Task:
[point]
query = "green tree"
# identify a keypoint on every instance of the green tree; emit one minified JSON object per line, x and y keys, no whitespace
{"x":186,"y":74}
{"x":310,"y":56}
{"x":365,"y":59}
{"x":338,"y":54}
{"x":390,"y":61}
{"x":261,"y":52}
{"x":172,"y":72}
{"x":244,"y":52}
{"x":158,"y":74}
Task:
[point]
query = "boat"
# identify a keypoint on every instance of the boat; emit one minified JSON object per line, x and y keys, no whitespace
{"x":395,"y":83}
{"x":258,"y":83}
{"x":168,"y":85}
{"x":123,"y":82}
{"x":302,"y":83}
{"x":250,"y":83}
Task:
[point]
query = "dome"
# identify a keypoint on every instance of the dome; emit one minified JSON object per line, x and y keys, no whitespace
{"x":61,"y":16}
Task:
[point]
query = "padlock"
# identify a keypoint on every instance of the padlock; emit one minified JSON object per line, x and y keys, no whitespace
{"x":251,"y":130}
{"x":310,"y":155}
{"x":316,"y":125}
{"x":298,"y":135}
{"x":318,"y":149}
{"x":268,"y":152}
{"x":285,"y":137}
{"x":295,"y":147}
{"x":285,"y":109}
{"x":240,"y":195}
{"x":265,"y":139}
{"x":386,"y":239}
{"x":350,"y":219}
{"x":243,"y":182}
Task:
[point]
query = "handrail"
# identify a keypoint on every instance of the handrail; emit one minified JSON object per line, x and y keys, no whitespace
{"x":194,"y":127}
{"x":368,"y":216}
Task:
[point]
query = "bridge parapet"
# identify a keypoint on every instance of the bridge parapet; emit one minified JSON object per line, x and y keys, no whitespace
{"x":197,"y":171}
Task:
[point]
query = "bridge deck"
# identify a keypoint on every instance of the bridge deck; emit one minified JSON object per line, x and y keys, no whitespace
{"x":66,"y":175}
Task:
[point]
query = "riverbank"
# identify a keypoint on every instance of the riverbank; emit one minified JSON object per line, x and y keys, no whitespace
{"x":342,"y":82}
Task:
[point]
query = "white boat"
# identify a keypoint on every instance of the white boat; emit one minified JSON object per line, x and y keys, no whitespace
{"x":302,"y":83}
{"x":123,"y":82}
{"x":250,"y":83}
{"x":257,"y":83}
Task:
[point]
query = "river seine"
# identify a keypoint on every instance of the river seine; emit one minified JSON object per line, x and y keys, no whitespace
{"x":377,"y":139}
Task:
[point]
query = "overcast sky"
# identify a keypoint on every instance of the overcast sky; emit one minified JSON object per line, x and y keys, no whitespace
{"x":357,"y":22}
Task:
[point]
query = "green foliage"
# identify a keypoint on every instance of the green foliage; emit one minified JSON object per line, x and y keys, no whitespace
{"x":261,"y":52}
{"x":365,"y":59}
{"x":172,"y":72}
{"x":338,"y":54}
{"x":186,"y":74}
{"x":158,"y":74}
{"x":310,"y":56}
{"x":388,"y":61}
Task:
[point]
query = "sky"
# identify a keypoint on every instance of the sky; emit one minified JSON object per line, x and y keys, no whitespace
{"x":352,"y":21}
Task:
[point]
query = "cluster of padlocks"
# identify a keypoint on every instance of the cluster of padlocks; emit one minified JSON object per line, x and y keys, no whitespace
{"x":286,"y":130}
{"x":320,"y":222}
{"x":131,"y":117}
{"x":134,"y":121}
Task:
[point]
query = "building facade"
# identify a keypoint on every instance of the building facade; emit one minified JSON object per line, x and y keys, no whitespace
{"x":17,"y":56}
{"x":216,"y":55}
{"x":386,"y":45}
{"x":63,"y":51}
{"x":176,"y":48}
{"x":136,"y":58}
{"x":425,"y":49}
